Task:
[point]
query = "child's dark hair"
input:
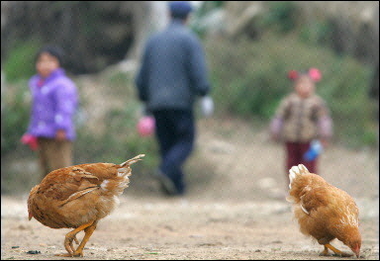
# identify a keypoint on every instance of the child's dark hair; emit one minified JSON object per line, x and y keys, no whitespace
{"x":55,"y":51}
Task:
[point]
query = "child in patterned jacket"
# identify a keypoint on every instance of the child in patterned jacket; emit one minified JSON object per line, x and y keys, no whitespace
{"x":301,"y":118}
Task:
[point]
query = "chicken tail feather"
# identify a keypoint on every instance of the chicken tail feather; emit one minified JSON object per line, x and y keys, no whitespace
{"x":296,"y":171}
{"x":133,"y":160}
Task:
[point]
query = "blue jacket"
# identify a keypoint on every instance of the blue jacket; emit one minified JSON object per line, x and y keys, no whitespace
{"x":173,"y":70}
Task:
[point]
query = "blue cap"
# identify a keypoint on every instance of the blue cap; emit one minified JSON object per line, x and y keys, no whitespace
{"x":180,"y":8}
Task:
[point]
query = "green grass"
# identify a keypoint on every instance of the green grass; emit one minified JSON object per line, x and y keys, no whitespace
{"x":249,"y":79}
{"x":20,"y":61}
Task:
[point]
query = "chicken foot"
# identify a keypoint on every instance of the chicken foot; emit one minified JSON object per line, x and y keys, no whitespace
{"x":88,"y":232}
{"x":337,"y":252}
{"x":71,"y":236}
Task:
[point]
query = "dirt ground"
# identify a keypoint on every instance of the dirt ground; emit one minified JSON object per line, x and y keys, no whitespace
{"x":235,"y":207}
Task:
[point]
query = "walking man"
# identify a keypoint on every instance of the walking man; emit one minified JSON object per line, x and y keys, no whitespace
{"x":172,"y":74}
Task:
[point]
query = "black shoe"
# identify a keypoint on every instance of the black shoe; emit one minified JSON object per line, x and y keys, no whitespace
{"x":167,"y":184}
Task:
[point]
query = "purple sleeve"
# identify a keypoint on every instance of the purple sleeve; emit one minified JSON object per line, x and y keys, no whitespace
{"x":325,"y":127}
{"x":66,"y":98}
{"x":277,"y":122}
{"x":276,"y":126}
{"x":324,"y":124}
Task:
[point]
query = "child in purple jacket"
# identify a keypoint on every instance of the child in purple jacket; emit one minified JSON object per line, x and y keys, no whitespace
{"x":54,"y":102}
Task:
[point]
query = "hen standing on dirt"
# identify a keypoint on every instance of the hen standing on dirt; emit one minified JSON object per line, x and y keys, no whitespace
{"x":324,"y":211}
{"x":77,"y":197}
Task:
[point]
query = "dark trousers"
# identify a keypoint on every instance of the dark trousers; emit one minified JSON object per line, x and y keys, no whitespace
{"x":175,"y":132}
{"x":294,"y":156}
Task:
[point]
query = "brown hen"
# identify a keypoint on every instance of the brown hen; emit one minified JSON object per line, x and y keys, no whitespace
{"x":324,"y":211}
{"x":78,"y":197}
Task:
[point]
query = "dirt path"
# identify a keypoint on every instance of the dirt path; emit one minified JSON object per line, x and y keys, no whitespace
{"x":235,"y":208}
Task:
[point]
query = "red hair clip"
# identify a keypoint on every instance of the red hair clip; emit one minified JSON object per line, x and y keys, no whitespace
{"x":293,"y":74}
{"x":315,"y":74}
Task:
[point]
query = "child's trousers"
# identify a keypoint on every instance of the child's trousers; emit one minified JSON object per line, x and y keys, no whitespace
{"x":294,"y":156}
{"x":54,"y":154}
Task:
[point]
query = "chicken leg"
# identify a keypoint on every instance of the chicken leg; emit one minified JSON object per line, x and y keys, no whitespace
{"x":88,"y":232}
{"x":68,"y":243}
{"x":335,"y":250}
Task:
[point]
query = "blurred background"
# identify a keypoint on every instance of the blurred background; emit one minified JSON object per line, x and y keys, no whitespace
{"x":250,"y":46}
